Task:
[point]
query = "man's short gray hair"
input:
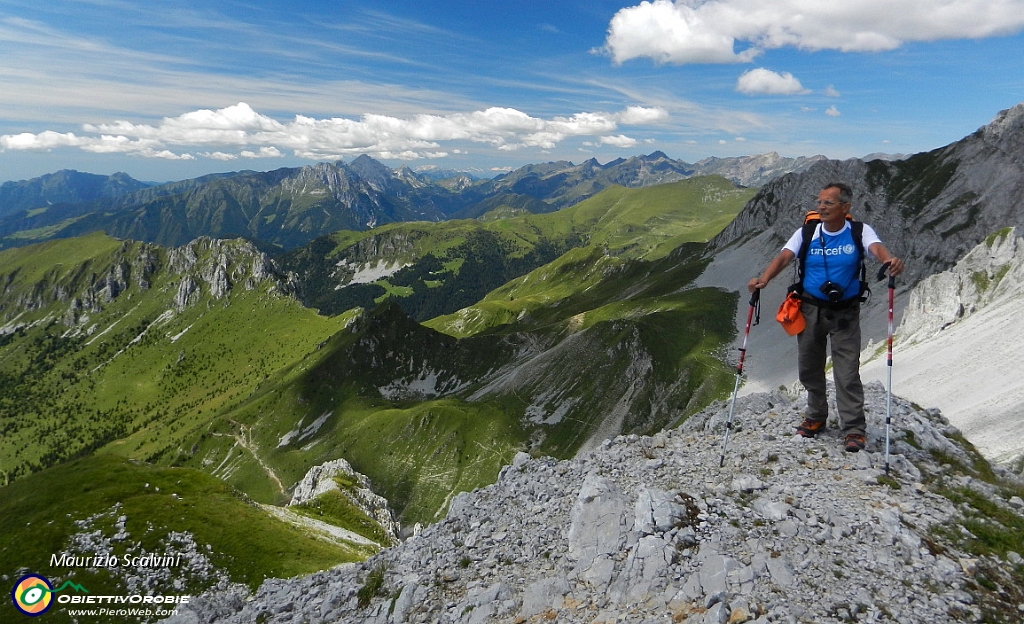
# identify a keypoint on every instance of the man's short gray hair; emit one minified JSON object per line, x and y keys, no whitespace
{"x":845,"y":192}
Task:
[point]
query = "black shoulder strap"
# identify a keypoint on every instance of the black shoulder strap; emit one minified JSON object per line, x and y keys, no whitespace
{"x":857,"y":229}
{"x":805,"y":245}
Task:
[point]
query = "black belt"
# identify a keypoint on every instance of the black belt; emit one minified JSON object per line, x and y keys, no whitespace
{"x":845,"y":304}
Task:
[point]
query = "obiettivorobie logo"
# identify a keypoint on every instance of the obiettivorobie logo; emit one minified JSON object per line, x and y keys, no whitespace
{"x":33,"y":594}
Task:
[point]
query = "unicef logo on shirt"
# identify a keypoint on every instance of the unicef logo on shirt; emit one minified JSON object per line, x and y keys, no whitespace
{"x":848,"y":249}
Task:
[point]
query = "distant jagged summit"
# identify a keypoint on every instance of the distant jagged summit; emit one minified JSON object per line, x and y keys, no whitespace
{"x":644,"y":529}
{"x":755,"y":170}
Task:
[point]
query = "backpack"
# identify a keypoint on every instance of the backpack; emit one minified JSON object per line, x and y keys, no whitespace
{"x":811,"y":221}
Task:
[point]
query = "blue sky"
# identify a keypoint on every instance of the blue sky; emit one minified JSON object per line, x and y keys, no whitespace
{"x":174,"y":89}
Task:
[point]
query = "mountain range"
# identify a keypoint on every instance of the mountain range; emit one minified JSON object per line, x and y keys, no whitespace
{"x":132,"y":358}
{"x":287,"y":208}
{"x":425,"y":354}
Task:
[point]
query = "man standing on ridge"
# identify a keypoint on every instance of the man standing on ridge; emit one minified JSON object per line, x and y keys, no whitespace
{"x":830,"y":291}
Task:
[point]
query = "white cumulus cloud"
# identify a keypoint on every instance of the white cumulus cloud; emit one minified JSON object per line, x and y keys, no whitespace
{"x":215,"y":133}
{"x":669,"y":33}
{"x":619,"y":140}
{"x":730,"y":31}
{"x":764,"y":81}
{"x":832,"y":111}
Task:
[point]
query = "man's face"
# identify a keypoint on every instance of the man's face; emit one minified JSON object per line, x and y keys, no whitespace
{"x":830,"y":209}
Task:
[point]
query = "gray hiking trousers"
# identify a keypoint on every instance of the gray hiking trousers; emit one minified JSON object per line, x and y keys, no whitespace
{"x":841,"y":328}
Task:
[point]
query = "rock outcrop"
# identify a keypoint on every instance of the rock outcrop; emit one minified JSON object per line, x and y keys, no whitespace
{"x":991,"y":274}
{"x":649,"y":529}
{"x":204,"y":266}
{"x":325,"y":478}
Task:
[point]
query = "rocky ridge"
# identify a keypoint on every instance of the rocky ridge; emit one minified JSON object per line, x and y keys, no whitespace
{"x":755,"y":170}
{"x":205,"y":265}
{"x":648,"y":529}
{"x":989,"y":275}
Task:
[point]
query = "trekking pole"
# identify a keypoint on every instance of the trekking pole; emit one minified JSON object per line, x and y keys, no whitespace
{"x":888,"y":398}
{"x":755,"y":304}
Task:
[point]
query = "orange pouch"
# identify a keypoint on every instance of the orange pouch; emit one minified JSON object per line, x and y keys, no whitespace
{"x":789,"y":315}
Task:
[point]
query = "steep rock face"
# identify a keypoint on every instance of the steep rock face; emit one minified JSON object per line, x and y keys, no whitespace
{"x":205,"y":265}
{"x":991,"y":274}
{"x":215,"y":266}
{"x":959,"y":337}
{"x":85,"y":287}
{"x":648,"y":529}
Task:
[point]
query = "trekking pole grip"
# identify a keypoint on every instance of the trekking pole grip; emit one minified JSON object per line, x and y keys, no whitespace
{"x":755,"y":297}
{"x":881,"y":275}
{"x":755,"y":308}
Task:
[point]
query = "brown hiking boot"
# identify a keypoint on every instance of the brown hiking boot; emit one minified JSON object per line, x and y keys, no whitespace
{"x":854,"y":442}
{"x":810,"y":428}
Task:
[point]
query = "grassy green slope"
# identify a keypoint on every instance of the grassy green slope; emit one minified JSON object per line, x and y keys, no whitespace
{"x":138,"y":370}
{"x":448,"y":266}
{"x":649,"y":222}
{"x":416,"y":450}
{"x":633,"y":326}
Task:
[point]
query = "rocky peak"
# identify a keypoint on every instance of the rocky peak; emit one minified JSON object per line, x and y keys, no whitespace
{"x":220,"y":265}
{"x":1007,"y":130}
{"x":649,"y":529}
{"x":374,"y":173}
{"x":330,"y":176}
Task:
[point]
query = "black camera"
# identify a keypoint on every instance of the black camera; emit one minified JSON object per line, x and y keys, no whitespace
{"x":832,"y":291}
